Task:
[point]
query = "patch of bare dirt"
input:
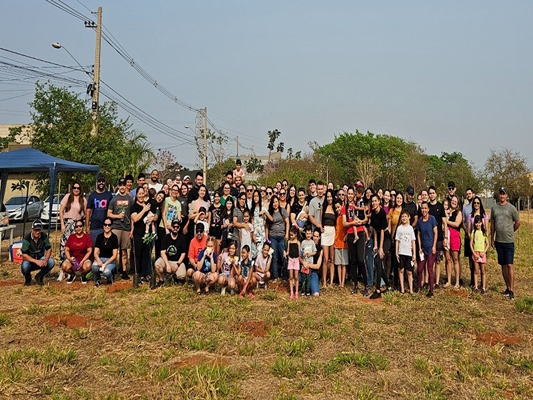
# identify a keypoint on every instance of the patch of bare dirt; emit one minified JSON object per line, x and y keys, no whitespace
{"x":457,"y":293}
{"x":67,"y":320}
{"x":253,"y":328}
{"x":368,"y":300}
{"x":119,"y":286}
{"x":11,"y":282}
{"x":198,"y":359}
{"x":494,"y":338}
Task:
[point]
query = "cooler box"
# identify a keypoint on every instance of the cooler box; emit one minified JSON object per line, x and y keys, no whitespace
{"x":15,"y":252}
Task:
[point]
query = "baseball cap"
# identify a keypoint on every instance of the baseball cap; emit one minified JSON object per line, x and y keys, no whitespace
{"x":199,"y":227}
{"x":358,"y":184}
{"x":121,"y":181}
{"x":100,"y":177}
{"x":451,"y":184}
{"x":410,"y":190}
{"x":187,"y":178}
{"x":502,"y":190}
{"x":37,"y":224}
{"x":175,"y":222}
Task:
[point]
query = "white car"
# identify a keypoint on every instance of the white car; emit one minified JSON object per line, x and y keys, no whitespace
{"x":45,"y":216}
{"x":16,"y":207}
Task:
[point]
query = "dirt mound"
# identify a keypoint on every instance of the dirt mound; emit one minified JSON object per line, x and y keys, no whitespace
{"x":198,"y":359}
{"x":253,"y":328}
{"x":494,"y":338}
{"x":67,"y":320}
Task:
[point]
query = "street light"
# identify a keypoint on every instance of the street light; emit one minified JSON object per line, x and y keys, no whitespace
{"x":57,"y":45}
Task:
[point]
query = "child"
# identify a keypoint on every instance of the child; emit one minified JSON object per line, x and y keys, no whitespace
{"x":361,"y":212}
{"x":302,"y":217}
{"x":294,"y":262}
{"x":246,"y":237}
{"x":150,"y":232}
{"x":238,"y":171}
{"x":340,"y":246}
{"x":202,"y":218}
{"x":245,"y":275}
{"x":307,"y":253}
{"x":226,"y":264}
{"x":479,"y":245}
{"x":405,"y":250}
{"x":206,"y":267}
{"x":261,"y":268}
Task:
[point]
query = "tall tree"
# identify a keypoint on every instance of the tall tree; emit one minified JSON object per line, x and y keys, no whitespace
{"x":509,"y":169}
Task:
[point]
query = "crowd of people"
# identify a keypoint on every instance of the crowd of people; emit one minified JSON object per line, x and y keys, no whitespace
{"x":245,"y":235}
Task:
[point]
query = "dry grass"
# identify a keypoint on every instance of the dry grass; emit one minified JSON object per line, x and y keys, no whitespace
{"x":76,"y":342}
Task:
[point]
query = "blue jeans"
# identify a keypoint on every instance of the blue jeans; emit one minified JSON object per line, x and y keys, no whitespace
{"x":108,"y":270}
{"x":27,"y":267}
{"x":278,"y":245}
{"x":315,"y":287}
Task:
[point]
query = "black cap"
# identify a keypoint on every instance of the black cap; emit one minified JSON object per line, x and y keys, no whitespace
{"x":175,"y":222}
{"x":121,"y":181}
{"x":451,"y":184}
{"x":199,"y":227}
{"x":100,"y":177}
{"x":37,"y":224}
{"x":502,"y":190}
{"x":410,"y":190}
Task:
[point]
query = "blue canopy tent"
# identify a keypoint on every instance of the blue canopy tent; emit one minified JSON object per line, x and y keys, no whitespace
{"x":31,"y":160}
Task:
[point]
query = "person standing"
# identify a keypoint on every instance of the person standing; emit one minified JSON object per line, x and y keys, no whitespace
{"x":467,"y":210}
{"x":36,"y":254}
{"x":315,"y":208}
{"x":504,"y":221}
{"x":427,"y":239}
{"x":141,"y":249}
{"x":97,"y":206}
{"x":119,"y":212}
{"x":437,"y":210}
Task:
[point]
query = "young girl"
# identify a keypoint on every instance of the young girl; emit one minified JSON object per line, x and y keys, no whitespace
{"x":479,"y":246}
{"x":243,"y":279}
{"x":294,"y":262}
{"x":226,"y":264}
{"x":246,"y":236}
{"x":405,"y":250}
{"x":340,"y":245}
{"x":202,"y":217}
{"x":205,"y":273}
{"x":261,"y":267}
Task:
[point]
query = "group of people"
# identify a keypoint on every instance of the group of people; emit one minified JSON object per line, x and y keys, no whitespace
{"x":244,"y":235}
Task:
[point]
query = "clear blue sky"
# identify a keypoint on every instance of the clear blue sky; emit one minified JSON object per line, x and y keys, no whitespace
{"x":451,"y":76}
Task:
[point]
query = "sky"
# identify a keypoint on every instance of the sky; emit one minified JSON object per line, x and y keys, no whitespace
{"x":450,"y":76}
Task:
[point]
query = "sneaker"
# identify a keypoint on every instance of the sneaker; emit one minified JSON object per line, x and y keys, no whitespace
{"x":232,"y":292}
{"x":160,"y":283}
{"x":71,"y":278}
{"x":223,"y":291}
{"x":437,"y":286}
{"x":291,"y":296}
{"x":125,"y":276}
{"x":375,"y":295}
{"x":308,"y":294}
{"x":511,"y":295}
{"x":27,"y":282}
{"x":39,"y":279}
{"x":506,"y":292}
{"x":97,"y":283}
{"x":429,"y":294}
{"x":355,"y":290}
{"x":61,"y":276}
{"x":365,"y":292}
{"x":84,"y":280}
{"x":483,"y":291}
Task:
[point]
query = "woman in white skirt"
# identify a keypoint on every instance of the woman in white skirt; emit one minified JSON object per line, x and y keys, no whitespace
{"x":329,"y":218}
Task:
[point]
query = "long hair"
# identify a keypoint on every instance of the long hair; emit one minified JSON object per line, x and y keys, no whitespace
{"x":479,"y":218}
{"x":481,"y":208}
{"x":228,"y":213}
{"x":254,"y":204}
{"x":70,"y":199}
{"x":325,"y":203}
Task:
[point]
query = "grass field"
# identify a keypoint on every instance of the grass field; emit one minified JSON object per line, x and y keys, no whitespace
{"x":75,"y":342}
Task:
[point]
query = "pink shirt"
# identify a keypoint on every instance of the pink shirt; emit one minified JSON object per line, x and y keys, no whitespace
{"x":74,"y":212}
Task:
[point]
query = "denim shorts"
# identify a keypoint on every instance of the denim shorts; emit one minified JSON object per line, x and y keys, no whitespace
{"x":505,"y":253}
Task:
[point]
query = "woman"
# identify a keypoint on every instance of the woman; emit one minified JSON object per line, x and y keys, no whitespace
{"x":283,"y":203}
{"x":278,"y":231}
{"x":258,"y":221}
{"x":297,"y":207}
{"x":455,"y":221}
{"x":291,"y":195}
{"x":157,"y":204}
{"x":141,"y":250}
{"x":382,"y":243}
{"x":78,"y":250}
{"x":477,"y":209}
{"x":215,"y":221}
{"x":394,"y":217}
{"x":387,"y":204}
{"x":329,"y":219}
{"x":227,"y":224}
{"x":201,"y":201}
{"x":184,"y":192}
{"x":71,"y":209}
{"x":105,"y":254}
{"x":341,"y":195}
{"x":314,"y":268}
{"x":238,"y":217}
{"x":226,"y":192}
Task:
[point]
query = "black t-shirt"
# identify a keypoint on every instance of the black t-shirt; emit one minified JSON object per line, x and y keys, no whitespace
{"x":174,"y":248}
{"x":379,"y":223}
{"x":216,"y":214}
{"x":106,"y":245}
{"x":413,"y":211}
{"x":437,"y":210}
{"x":139,"y":228}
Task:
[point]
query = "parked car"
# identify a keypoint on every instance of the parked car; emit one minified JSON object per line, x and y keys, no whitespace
{"x":16,"y":207}
{"x":45,"y":216}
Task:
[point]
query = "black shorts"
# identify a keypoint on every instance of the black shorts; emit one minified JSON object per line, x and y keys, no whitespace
{"x":406,"y":263}
{"x":215,"y":231}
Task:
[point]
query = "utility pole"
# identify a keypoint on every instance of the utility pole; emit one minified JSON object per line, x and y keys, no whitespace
{"x":237,"y":140}
{"x":201,"y":127}
{"x":96,"y":80}
{"x":205,"y":145}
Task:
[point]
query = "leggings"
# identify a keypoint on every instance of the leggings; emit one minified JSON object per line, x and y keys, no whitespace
{"x":378,"y":265}
{"x":356,"y":252}
{"x":141,"y":252}
{"x":429,"y":260}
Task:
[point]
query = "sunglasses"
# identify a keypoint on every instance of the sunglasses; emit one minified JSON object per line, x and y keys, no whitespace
{"x":341,"y":194}
{"x":477,"y":202}
{"x":107,"y":224}
{"x":269,"y":193}
{"x":249,"y":190}
{"x":282,"y":194}
{"x":79,"y":226}
{"x":76,"y":187}
{"x":451,"y":188}
{"x":175,"y":226}
{"x":199,"y":232}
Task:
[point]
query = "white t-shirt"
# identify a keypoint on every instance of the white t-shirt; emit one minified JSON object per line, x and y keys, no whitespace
{"x":405,"y":234}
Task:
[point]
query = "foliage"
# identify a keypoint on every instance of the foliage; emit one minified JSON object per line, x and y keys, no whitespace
{"x":509,"y":169}
{"x":272,"y":137}
{"x":254,"y":164}
{"x":217,"y":144}
{"x":61,"y":126}
{"x":166,"y":164}
{"x":217,"y":172}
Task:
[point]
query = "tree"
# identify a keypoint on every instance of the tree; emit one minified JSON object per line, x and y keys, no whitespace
{"x":509,"y":169}
{"x":272,"y":137}
{"x":61,"y":126}
{"x":254,"y":164}
{"x":217,"y":145}
{"x":166,"y":164}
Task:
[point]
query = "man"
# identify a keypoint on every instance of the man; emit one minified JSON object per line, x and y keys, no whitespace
{"x":504,"y":221}
{"x":198,"y":243}
{"x":97,"y":205}
{"x":119,"y":212}
{"x":451,"y":190}
{"x":437,"y":210}
{"x":237,"y":183}
{"x":411,"y":206}
{"x":173,"y":251}
{"x":193,"y":193}
{"x":129,"y":183}
{"x":154,"y":181}
{"x":141,"y":179}
{"x":249,"y":196}
{"x":312,"y":191}
{"x":467,"y":210}
{"x":315,"y":207}
{"x":36,"y":254}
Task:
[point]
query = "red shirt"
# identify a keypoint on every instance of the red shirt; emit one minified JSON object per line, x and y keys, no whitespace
{"x":196,"y":246}
{"x":78,"y":246}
